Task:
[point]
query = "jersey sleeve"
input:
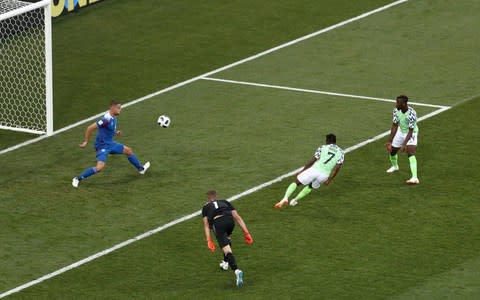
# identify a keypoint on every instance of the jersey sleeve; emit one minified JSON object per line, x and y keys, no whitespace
{"x":395,"y":119}
{"x":103,"y":122}
{"x":204,"y":211}
{"x":318,"y":152}
{"x":230,"y":206}
{"x":412,"y":118}
{"x":341,"y":158}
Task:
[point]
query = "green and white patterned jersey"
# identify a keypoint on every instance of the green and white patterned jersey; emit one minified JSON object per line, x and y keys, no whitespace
{"x":405,"y":120}
{"x":328,"y":156}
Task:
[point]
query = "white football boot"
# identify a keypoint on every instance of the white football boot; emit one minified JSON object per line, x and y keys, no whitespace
{"x":224,"y":265}
{"x":293,"y":202}
{"x":239,"y":277}
{"x":145,"y":168}
{"x":393,"y":169}
{"x":75,"y":182}
{"x":412,"y":181}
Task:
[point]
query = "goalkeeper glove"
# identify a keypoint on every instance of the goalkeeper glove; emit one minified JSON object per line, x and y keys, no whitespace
{"x":248,"y":238}
{"x":211,"y":245}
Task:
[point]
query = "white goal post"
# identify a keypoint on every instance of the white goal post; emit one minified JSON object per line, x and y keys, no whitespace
{"x":26,"y":93}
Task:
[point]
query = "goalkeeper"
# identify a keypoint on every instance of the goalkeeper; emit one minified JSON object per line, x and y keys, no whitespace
{"x":219,"y":216}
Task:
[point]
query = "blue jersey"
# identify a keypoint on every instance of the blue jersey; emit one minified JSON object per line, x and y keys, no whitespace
{"x":107,"y":126}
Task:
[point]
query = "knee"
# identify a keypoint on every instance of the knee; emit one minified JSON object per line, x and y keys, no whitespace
{"x":100,"y":167}
{"x":127,"y":151}
{"x":227,"y":249}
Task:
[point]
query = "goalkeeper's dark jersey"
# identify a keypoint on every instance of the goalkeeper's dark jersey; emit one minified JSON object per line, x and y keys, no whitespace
{"x":217,"y":208}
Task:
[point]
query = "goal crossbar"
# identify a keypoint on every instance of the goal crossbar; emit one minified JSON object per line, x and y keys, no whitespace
{"x":24,"y":9}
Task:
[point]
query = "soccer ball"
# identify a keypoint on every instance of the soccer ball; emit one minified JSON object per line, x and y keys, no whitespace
{"x":164,"y":121}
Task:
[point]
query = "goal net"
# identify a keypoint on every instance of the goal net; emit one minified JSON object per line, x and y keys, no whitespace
{"x":26,"y":66}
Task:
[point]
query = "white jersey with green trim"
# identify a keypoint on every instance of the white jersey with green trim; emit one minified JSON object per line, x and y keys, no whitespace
{"x":328,"y":156}
{"x":405,"y":121}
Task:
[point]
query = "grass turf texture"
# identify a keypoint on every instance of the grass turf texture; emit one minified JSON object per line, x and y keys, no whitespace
{"x":363,"y":237}
{"x":120,"y":50}
{"x":362,"y":247}
{"x":405,"y":49}
{"x":190,"y":156}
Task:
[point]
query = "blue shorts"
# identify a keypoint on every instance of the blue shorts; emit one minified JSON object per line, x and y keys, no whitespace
{"x":103,"y":152}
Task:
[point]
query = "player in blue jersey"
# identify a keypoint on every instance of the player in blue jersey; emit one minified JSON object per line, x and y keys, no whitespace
{"x":105,"y":145}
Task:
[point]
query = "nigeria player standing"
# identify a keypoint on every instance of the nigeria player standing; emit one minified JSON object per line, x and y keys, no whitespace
{"x":105,"y":145}
{"x":321,"y":168}
{"x":403,"y":137}
{"x":219,"y":216}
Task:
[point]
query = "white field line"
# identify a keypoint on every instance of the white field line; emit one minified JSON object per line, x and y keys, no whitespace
{"x":280,"y":87}
{"x":180,"y":84}
{"x":467,"y":99}
{"x":188,"y":217}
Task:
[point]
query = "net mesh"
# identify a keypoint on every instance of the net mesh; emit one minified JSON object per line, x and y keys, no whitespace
{"x":22,"y":68}
{"x":9,"y":5}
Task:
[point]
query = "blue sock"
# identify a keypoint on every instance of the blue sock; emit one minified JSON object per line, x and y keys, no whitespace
{"x":134,"y":161}
{"x":87,"y":173}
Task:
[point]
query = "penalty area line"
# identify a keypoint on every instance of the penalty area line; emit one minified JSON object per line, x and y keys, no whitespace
{"x":188,"y":217}
{"x":312,"y":91}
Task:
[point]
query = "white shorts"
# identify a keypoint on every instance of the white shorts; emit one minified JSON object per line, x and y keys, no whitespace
{"x":399,"y":138}
{"x":312,"y":176}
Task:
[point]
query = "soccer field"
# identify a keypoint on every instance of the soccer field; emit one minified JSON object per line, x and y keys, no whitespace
{"x":367,"y":236}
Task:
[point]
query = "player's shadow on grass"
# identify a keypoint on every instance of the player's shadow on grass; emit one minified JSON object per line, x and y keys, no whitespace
{"x":113,"y":178}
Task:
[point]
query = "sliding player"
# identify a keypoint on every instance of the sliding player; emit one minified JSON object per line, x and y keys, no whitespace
{"x":105,"y":145}
{"x":321,"y":168}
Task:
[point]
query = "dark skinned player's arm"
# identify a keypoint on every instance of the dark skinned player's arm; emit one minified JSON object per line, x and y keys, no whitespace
{"x":393,"y":131}
{"x":333,"y":173}
{"x":407,"y":138}
{"x":309,"y":164}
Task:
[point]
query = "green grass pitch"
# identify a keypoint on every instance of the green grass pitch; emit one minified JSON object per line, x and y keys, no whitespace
{"x":367,"y":236}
